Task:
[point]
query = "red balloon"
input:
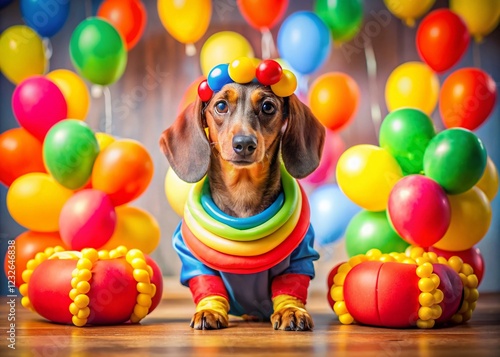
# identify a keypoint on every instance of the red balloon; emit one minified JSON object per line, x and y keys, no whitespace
{"x":268,"y":72}
{"x":20,"y":153}
{"x":204,"y":91}
{"x":471,"y":256}
{"x":467,"y":98}
{"x":262,"y":14}
{"x":442,"y":39}
{"x":127,"y":16}
{"x":419,"y":210}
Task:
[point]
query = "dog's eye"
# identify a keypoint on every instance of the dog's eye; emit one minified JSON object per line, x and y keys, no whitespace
{"x":268,"y":108}
{"x":221,"y":107}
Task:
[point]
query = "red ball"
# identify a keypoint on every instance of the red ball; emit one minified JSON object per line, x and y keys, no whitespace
{"x":204,"y":91}
{"x":268,"y":72}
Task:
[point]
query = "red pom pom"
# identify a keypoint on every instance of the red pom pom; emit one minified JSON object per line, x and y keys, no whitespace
{"x":268,"y":72}
{"x":204,"y":91}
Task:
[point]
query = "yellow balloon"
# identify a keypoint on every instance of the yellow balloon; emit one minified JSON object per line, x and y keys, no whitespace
{"x":480,"y":16}
{"x":35,"y":201}
{"x":470,"y":220}
{"x":409,"y":10}
{"x":223,"y":47}
{"x":489,"y":181}
{"x":74,"y":91}
{"x":176,"y":191}
{"x":414,"y":85}
{"x":185,"y":20}
{"x":135,"y":229}
{"x":22,"y":53}
{"x":104,"y":140}
{"x":366,"y":174}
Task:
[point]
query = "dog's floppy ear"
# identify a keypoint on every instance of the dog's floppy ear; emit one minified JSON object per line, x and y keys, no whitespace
{"x":302,"y":142}
{"x":186,"y":146}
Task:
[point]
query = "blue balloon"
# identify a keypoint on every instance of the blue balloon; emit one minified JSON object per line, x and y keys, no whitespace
{"x":304,"y":41}
{"x":331,"y":212}
{"x":46,"y":17}
{"x":218,"y":77}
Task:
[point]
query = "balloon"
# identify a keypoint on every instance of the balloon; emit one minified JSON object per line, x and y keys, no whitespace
{"x":38,"y":104}
{"x":332,"y":149}
{"x":419,"y":210}
{"x":262,"y":14}
{"x":242,"y":70}
{"x":187,"y":20}
{"x":223,"y":47}
{"x":371,"y":230}
{"x":471,"y":256}
{"x":176,"y":191}
{"x":127,"y":16}
{"x":74,"y":90}
{"x":470,"y":220}
{"x":334,"y":99}
{"x":366,"y":174}
{"x":98,"y":51}
{"x":27,"y":245}
{"x":409,"y":10}
{"x":442,"y":39}
{"x":46,"y":17}
{"x":35,"y":201}
{"x":414,"y":85}
{"x":123,"y":170}
{"x":304,"y":41}
{"x":204,"y":91}
{"x":135,"y":229}
{"x":488,"y":183}
{"x":219,"y":77}
{"x":23,"y":53}
{"x":104,"y":140}
{"x":467,"y":98}
{"x":69,"y":151}
{"x":331,"y":211}
{"x":190,"y":94}
{"x":20,"y":153}
{"x":343,"y":17}
{"x":480,"y":16}
{"x":456,"y":159}
{"x":87,"y":220}
{"x":405,"y":133}
{"x":268,"y":72}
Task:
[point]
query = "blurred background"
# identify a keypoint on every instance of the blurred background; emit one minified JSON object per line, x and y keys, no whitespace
{"x":158,"y":79}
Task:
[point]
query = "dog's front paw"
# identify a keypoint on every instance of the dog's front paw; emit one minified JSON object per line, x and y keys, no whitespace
{"x":292,"y":318}
{"x":208,"y":320}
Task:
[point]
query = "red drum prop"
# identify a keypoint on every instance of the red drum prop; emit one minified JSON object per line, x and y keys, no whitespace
{"x":401,"y":290}
{"x":91,"y":287}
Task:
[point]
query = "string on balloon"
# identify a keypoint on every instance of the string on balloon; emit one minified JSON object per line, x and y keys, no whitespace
{"x":103,"y":91}
{"x":476,"y":55}
{"x":267,"y":42}
{"x":371,"y":68}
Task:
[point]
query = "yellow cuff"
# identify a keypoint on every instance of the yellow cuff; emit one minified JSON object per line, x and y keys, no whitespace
{"x":216,"y":303}
{"x":285,"y":301}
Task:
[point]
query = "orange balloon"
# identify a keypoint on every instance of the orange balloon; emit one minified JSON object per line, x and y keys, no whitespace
{"x":190,"y":94}
{"x":123,"y":170}
{"x":21,"y":153}
{"x":334,"y":99}
{"x":27,"y":244}
{"x":262,"y":14}
{"x":127,"y":16}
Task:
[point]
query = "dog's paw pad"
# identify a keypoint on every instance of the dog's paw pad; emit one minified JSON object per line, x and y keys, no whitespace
{"x":292,"y":319}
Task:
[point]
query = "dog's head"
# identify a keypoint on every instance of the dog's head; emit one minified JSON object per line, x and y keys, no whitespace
{"x":246,"y":124}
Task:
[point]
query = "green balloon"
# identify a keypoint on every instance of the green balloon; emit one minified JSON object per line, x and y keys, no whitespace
{"x":343,"y":17}
{"x":69,"y":151}
{"x":98,"y":51}
{"x":368,"y":230}
{"x":456,"y":159}
{"x":405,"y":134}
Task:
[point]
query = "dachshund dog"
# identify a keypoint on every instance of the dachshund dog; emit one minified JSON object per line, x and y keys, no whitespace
{"x":239,"y":139}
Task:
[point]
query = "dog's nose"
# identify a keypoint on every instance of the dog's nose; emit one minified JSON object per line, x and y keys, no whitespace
{"x":244,"y":145}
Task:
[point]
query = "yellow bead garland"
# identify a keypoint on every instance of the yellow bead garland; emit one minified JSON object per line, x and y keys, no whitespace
{"x":430,"y":296}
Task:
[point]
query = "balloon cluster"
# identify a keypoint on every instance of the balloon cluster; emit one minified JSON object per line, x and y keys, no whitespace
{"x":431,"y":190}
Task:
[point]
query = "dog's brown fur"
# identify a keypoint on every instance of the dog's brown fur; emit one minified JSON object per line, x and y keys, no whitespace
{"x":244,"y":185}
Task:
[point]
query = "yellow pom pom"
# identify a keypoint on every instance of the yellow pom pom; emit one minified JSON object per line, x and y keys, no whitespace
{"x":83,"y":313}
{"x":438,"y":296}
{"x":425,"y":324}
{"x":424,"y":270}
{"x":91,"y":254}
{"x":145,"y":288}
{"x":435,"y":279}
{"x":26,"y":275}
{"x":473,"y":295}
{"x":426,"y":299}
{"x":242,"y":70}
{"x":339,"y":279}
{"x":83,"y":287}
{"x":141,"y":275}
{"x":82,"y":301}
{"x":140,"y":311}
{"x":286,"y":85}
{"x":23,"y":289}
{"x":426,"y":285}
{"x":103,"y":254}
{"x":74,"y":282}
{"x":340,"y":308}
{"x":344,"y":268}
{"x":84,"y":263}
{"x":73,"y":293}
{"x":133,"y":254}
{"x":467,"y":269}
{"x":455,"y":263}
{"x":436,"y":311}
{"x":25,"y":301}
{"x":138,"y":263}
{"x":84,"y":275}
{"x":144,"y":300}
{"x":32,"y":264}
{"x":425,"y":313}
{"x":472,"y":281}
{"x":78,"y":322}
{"x":73,"y":308}
{"x":346,"y":319}
{"x":337,"y":293}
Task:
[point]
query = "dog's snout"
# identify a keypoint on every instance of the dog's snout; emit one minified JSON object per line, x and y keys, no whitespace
{"x":244,"y":145}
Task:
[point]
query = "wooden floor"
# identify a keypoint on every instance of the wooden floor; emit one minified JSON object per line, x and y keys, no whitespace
{"x":166,"y":332}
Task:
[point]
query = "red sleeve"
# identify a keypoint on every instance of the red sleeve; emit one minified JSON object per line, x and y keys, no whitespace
{"x":295,"y":285}
{"x":202,"y":286}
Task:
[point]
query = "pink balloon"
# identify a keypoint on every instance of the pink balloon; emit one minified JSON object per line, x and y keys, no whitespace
{"x":419,"y":210}
{"x":332,"y":150}
{"x":87,"y":220}
{"x":38,"y":104}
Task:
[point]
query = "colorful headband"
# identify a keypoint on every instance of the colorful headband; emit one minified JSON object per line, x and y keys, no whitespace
{"x":245,"y":70}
